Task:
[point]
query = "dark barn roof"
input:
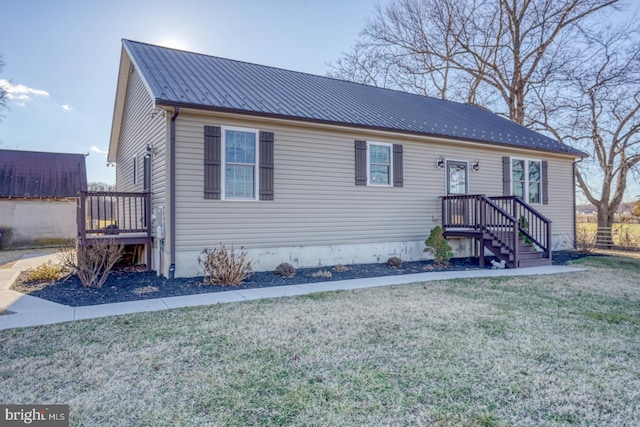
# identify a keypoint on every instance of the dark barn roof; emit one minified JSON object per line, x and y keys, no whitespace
{"x":180,"y":78}
{"x":41,"y":175}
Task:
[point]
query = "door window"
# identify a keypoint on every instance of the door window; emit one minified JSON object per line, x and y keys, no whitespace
{"x":457,"y":177}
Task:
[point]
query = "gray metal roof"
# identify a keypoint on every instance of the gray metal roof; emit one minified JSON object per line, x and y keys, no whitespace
{"x":183,"y":78}
{"x":41,"y":175}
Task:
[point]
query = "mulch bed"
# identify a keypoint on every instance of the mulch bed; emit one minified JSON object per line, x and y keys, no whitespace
{"x":125,"y":285}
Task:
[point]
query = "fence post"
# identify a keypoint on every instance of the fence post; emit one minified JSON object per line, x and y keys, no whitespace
{"x":81,"y":218}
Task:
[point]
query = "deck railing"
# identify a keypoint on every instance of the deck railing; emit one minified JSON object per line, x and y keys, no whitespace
{"x":478,"y":214}
{"x":503,"y":219}
{"x":114,"y":214}
{"x":534,"y":226}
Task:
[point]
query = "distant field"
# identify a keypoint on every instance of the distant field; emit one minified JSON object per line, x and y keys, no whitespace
{"x":623,"y":234}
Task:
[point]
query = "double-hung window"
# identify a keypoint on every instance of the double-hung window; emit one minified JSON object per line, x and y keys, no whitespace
{"x":526,"y":179}
{"x":240,"y":154}
{"x":379,"y":164}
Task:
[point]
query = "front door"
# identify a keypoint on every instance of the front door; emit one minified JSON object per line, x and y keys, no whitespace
{"x":458,"y":185}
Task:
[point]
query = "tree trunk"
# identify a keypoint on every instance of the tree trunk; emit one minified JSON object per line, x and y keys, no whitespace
{"x":605,"y":221}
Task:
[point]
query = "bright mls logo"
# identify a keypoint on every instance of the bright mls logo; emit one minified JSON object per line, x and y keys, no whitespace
{"x":34,"y":415}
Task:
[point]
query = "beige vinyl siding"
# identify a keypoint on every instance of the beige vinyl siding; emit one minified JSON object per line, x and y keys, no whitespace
{"x":316,"y":200}
{"x":138,"y":130}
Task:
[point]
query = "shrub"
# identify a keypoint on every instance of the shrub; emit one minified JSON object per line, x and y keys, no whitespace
{"x":438,"y":246}
{"x":47,"y":272}
{"x":93,"y":263}
{"x":340,"y":268}
{"x":223,"y":267}
{"x":322,"y":273}
{"x":585,"y":238}
{"x":285,"y":270}
{"x":394,"y":262}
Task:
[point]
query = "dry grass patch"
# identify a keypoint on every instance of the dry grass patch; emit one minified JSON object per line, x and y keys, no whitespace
{"x":145,"y":290}
{"x":476,"y":352}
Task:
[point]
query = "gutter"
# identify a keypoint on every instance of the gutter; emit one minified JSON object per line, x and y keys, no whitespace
{"x":172,"y":196}
{"x":351,"y":126}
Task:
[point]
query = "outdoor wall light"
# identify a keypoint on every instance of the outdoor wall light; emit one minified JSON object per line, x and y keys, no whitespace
{"x":157,"y":111}
{"x":440,"y":162}
{"x":476,"y":165}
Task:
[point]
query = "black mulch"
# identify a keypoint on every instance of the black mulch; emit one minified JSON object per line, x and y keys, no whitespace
{"x":125,"y":285}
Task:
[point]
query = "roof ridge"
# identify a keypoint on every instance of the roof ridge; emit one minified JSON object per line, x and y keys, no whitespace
{"x":273,"y":67}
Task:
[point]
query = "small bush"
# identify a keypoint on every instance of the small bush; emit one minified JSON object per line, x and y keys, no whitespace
{"x":438,"y":246}
{"x":322,"y":273}
{"x":285,"y":270}
{"x":585,"y":238}
{"x":223,"y":267}
{"x":47,"y":272}
{"x":394,"y":262}
{"x":340,"y":268}
{"x":93,"y":263}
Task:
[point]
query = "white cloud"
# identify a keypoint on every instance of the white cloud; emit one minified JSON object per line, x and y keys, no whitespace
{"x":21,"y":94}
{"x":67,"y":107}
{"x":98,"y":150}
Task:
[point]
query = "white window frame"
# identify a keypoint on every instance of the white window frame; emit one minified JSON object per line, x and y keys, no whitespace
{"x":385,"y":144}
{"x":135,"y":169}
{"x":256,"y":165}
{"x":526,"y":178}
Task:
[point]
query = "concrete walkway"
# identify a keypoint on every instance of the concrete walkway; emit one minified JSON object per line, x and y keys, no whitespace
{"x":25,"y":310}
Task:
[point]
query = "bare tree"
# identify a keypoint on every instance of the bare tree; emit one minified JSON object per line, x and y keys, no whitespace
{"x":3,"y":92}
{"x":488,"y":52}
{"x":101,"y":186}
{"x":597,"y":108}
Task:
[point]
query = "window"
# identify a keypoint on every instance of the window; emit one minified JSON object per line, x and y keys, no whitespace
{"x":240,"y":152}
{"x":379,"y":169}
{"x":457,"y":176}
{"x":378,"y":164}
{"x":135,"y":168}
{"x":526,"y":179}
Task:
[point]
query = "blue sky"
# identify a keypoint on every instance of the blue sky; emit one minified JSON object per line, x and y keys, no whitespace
{"x":62,"y":56}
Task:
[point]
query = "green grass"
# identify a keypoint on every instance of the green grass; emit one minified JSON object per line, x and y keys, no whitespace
{"x":533,"y":350}
{"x":623,"y":263}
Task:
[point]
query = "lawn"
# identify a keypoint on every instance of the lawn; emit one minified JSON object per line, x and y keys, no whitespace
{"x":537,"y":350}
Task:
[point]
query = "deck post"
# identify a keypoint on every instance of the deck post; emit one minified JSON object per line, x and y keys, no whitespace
{"x":81,"y":216}
{"x":147,"y":216}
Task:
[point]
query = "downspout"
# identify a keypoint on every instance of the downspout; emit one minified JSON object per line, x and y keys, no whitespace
{"x":575,"y":226}
{"x":172,"y":197}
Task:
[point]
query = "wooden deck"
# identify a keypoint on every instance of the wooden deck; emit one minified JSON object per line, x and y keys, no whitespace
{"x":121,"y":216}
{"x":512,"y":230}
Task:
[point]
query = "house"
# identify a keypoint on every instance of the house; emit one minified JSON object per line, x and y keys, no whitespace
{"x":316,"y":171}
{"x":38,"y":193}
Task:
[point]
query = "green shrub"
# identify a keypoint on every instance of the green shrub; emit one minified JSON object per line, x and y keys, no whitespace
{"x":285,"y":270}
{"x":394,"y":262}
{"x":438,"y":246}
{"x":223,"y":267}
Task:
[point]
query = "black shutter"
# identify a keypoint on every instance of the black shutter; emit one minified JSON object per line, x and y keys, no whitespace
{"x":212,"y":162}
{"x":506,"y":176}
{"x":146,"y":172}
{"x":545,"y":183}
{"x":398,"y":173}
{"x":266,"y":166}
{"x":361,"y":162}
